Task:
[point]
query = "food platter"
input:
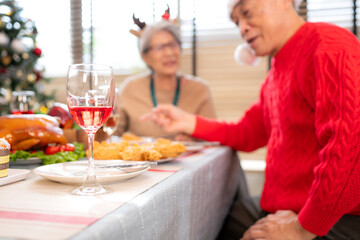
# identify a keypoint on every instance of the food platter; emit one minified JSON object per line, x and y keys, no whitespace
{"x":165,"y":160}
{"x":194,"y":146}
{"x":29,"y":161}
{"x":107,"y":171}
{"x":139,"y":141}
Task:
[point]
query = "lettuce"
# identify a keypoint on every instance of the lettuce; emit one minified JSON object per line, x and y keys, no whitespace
{"x":58,"y":157}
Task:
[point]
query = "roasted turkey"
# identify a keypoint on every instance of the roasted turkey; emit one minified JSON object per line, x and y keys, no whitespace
{"x":31,"y":131}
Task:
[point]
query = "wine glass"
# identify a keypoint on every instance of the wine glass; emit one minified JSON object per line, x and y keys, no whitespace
{"x":111,"y":125}
{"x":90,"y":98}
{"x":22,"y":102}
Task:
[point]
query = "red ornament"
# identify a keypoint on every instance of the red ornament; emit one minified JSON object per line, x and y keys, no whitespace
{"x":37,"y":52}
{"x":38,"y":75}
{"x":3,"y":70}
{"x":166,"y":16}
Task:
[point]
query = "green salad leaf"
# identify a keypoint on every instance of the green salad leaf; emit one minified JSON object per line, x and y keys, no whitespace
{"x":58,"y":157}
{"x":19,"y":155}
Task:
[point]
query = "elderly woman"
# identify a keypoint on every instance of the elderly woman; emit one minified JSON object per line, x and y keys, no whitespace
{"x":160,"y":48}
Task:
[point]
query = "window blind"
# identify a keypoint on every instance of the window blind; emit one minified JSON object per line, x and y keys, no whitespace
{"x":76,"y":31}
{"x":101,"y":30}
{"x":339,"y":12}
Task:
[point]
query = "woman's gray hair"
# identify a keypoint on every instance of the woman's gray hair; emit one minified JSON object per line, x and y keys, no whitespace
{"x":150,"y":30}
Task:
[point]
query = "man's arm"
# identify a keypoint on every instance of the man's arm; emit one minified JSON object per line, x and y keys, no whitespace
{"x":248,"y":134}
{"x":335,"y":190}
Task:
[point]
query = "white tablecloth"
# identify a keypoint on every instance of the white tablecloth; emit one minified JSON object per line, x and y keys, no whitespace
{"x":189,"y":201}
{"x":190,"y":204}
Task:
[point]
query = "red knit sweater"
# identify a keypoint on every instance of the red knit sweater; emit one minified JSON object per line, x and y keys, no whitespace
{"x":308,"y":115}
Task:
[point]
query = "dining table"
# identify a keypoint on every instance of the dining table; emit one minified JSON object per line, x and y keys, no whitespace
{"x":185,"y":198}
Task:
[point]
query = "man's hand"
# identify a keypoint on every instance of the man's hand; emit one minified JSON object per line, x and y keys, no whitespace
{"x":283,"y":225}
{"x":171,"y":119}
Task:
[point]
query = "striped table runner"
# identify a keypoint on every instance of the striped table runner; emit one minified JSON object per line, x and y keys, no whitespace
{"x":40,"y":209}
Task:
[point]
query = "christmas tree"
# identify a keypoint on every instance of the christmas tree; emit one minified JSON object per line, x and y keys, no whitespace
{"x":19,"y":53}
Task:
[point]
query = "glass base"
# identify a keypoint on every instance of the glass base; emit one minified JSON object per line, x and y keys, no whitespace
{"x":89,"y":190}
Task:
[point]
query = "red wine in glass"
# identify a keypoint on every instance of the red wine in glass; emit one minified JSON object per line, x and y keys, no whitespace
{"x":90,"y":118}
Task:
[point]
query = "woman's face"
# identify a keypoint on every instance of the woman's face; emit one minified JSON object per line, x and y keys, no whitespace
{"x":163,"y":54}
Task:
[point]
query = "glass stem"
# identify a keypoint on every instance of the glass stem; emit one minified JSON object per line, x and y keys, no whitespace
{"x":91,"y":168}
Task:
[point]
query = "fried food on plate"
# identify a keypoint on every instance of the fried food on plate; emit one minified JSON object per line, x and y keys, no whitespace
{"x":130,"y":137}
{"x":169,"y":149}
{"x":150,"y":153}
{"x":161,"y":149}
{"x":107,"y":151}
{"x":133,"y":153}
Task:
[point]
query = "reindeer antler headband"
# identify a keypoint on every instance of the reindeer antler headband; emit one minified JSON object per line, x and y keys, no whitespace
{"x":142,"y":25}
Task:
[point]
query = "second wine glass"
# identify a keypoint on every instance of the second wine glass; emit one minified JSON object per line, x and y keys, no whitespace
{"x":90,"y":98}
{"x":112,"y":124}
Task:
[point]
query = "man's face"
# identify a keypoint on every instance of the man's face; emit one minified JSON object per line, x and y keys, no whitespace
{"x":260,"y":24}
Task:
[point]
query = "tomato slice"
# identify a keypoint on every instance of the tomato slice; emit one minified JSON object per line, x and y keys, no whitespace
{"x":69,"y":147}
{"x":62,"y":148}
{"x":52,"y":150}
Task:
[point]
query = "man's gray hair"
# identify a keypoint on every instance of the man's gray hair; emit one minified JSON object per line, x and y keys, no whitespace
{"x":150,"y":30}
{"x":233,"y":3}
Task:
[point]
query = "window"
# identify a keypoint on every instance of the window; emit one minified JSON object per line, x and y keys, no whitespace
{"x":52,"y":18}
{"x":339,"y":12}
{"x":212,"y":22}
{"x":112,"y":43}
{"x":98,"y":31}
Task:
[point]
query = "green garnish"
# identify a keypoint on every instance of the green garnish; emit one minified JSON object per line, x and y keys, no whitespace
{"x":58,"y":157}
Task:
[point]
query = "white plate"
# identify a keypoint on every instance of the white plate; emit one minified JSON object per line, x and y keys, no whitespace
{"x":163,"y":160}
{"x":14,"y":175}
{"x":32,"y":160}
{"x":68,"y":172}
{"x":141,"y":141}
{"x":193,"y":146}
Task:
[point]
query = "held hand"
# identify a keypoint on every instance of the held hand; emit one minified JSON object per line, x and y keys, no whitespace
{"x":171,"y":119}
{"x":283,"y":225}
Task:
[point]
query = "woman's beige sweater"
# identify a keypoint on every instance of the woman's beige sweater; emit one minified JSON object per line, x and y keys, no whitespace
{"x":134,"y":100}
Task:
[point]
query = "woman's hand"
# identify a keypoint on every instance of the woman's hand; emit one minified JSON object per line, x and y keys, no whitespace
{"x":171,"y":119}
{"x":283,"y":225}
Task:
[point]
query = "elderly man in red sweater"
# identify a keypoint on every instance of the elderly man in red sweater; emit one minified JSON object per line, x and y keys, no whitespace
{"x":308,"y":116}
